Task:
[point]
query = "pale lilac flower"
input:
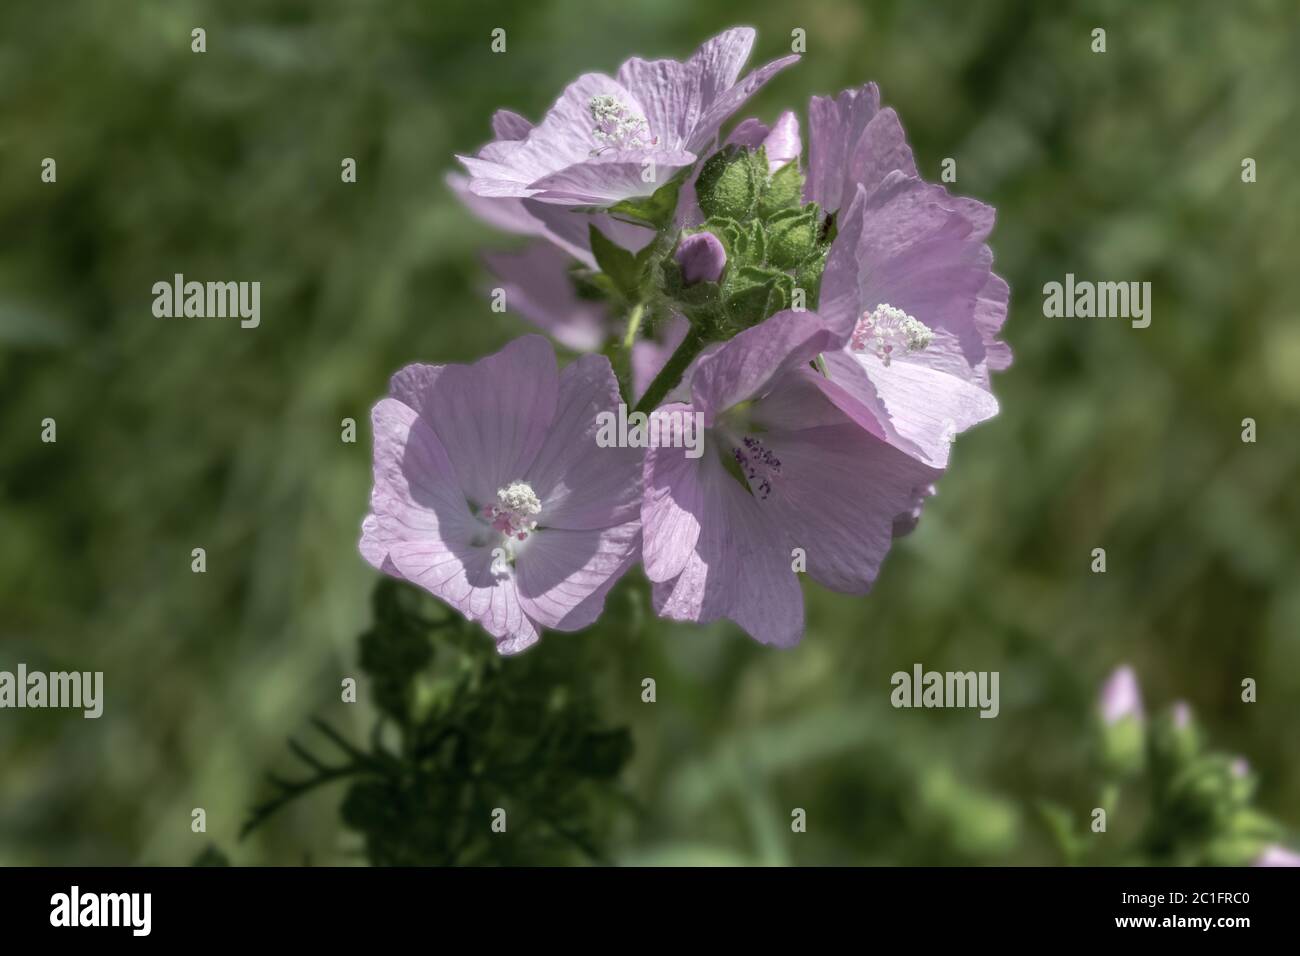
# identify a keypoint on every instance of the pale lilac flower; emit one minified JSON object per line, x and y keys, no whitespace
{"x":1274,"y":855}
{"x":908,"y":287}
{"x":1240,"y":767}
{"x":1121,"y":696}
{"x":702,"y":258}
{"x":782,"y":468}
{"x":595,"y":143}
{"x":1182,"y":713}
{"x":491,"y":493}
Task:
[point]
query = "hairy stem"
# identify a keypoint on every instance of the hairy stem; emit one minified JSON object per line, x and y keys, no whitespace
{"x":633,"y":328}
{"x":671,"y":373}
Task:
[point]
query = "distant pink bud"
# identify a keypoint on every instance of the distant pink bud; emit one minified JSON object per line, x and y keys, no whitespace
{"x":1277,"y":856}
{"x":701,"y":257}
{"x":1182,"y":714}
{"x":782,"y":144}
{"x":1120,"y":696}
{"x":1240,"y":766}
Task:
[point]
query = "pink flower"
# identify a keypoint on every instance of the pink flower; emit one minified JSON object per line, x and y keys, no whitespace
{"x":782,"y":469}
{"x":1120,"y":696}
{"x":491,"y":493}
{"x":603,"y":133}
{"x":908,"y":288}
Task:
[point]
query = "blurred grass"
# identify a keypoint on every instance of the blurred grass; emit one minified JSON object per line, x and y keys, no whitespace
{"x":180,"y":434}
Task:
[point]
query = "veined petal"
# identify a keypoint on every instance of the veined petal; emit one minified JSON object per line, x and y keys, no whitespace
{"x":491,"y":416}
{"x":672,"y":507}
{"x":740,"y":567}
{"x":581,"y":485}
{"x":564,"y":576}
{"x":838,"y":495}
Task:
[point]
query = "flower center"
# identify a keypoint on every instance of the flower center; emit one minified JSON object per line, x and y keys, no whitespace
{"x":886,"y":331}
{"x":757,"y":464}
{"x":617,"y":127}
{"x":515,"y":511}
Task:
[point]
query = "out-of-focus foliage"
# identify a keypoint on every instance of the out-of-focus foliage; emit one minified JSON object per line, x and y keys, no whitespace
{"x":494,"y":761}
{"x":184,"y":433}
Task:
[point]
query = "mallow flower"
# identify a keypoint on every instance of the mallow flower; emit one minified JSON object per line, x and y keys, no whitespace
{"x":597,"y":142}
{"x":491,"y":493}
{"x":786,"y":482}
{"x":908,"y":287}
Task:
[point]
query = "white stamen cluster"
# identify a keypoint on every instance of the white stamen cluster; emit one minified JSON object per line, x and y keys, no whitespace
{"x":617,"y":127}
{"x":886,"y":330}
{"x":516,"y":510}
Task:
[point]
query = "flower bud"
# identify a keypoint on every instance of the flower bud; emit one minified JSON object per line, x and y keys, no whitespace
{"x":701,"y":257}
{"x":1120,"y":696}
{"x":728,"y":185}
{"x":791,"y":237}
{"x":1123,"y":733}
{"x":1175,"y":738}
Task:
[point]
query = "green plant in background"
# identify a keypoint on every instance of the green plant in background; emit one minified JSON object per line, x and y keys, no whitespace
{"x":1193,"y":806}
{"x":474,"y":760}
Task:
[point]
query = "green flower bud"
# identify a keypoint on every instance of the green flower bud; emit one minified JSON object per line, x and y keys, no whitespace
{"x":1123,"y":746}
{"x":729,"y":184}
{"x":784,"y":190}
{"x":1175,"y":741}
{"x":791,"y":237}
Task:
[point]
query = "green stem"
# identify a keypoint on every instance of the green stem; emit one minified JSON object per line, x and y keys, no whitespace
{"x":671,"y":373}
{"x":633,"y":326}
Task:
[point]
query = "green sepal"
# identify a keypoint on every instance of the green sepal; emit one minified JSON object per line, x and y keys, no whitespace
{"x":729,"y":184}
{"x":784,"y":190}
{"x":656,"y":210}
{"x":621,"y":266}
{"x":792,"y":237}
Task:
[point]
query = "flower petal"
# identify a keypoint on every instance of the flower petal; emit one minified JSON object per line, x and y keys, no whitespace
{"x":672,"y":508}
{"x":838,"y":494}
{"x":740,"y":567}
{"x":834,"y":127}
{"x":537,"y":286}
{"x":611,"y":177}
{"x":745,"y":365}
{"x":581,"y":485}
{"x":491,"y":416}
{"x":565,"y":575}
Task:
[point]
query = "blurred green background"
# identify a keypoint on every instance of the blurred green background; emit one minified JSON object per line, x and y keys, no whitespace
{"x":176,"y":434}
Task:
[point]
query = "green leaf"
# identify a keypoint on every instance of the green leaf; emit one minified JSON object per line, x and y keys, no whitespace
{"x":617,"y":263}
